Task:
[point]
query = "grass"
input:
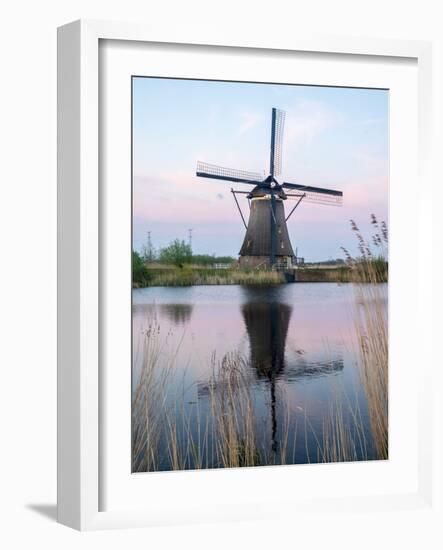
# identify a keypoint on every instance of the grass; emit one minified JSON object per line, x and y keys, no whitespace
{"x":371,"y":328}
{"x":189,"y":276}
{"x":344,"y":437}
{"x":374,"y":270}
{"x":195,"y":275}
{"x":343,"y":434}
{"x":372,"y":264}
{"x":372,"y":331}
{"x":148,"y":401}
{"x":233,"y":412}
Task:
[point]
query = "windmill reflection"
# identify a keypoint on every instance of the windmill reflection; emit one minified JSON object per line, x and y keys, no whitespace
{"x":266,"y":317}
{"x":271,"y":360}
{"x":267,"y":325}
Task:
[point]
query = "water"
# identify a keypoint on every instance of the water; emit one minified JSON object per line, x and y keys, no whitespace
{"x":298,"y":341}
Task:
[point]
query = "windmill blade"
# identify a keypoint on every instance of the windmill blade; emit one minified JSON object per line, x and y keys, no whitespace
{"x":310,"y":189}
{"x":317,"y":198}
{"x":278,"y":124}
{"x":318,"y":195}
{"x":205,"y":170}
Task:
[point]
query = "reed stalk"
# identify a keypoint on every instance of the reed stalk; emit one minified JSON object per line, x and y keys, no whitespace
{"x":372,"y":333}
{"x":371,"y":323}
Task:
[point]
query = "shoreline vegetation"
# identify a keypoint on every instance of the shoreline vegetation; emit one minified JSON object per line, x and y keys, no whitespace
{"x":196,"y":275}
{"x":176,"y":265}
{"x":227,"y":433}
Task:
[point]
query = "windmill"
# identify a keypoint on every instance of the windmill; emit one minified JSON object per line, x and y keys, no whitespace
{"x":267,"y":242}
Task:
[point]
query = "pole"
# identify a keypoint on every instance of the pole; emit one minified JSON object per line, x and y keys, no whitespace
{"x":298,"y":202}
{"x":148,"y":253}
{"x":238,"y":206}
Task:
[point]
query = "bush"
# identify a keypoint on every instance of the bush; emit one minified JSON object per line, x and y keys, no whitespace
{"x":176,"y":253}
{"x":140,"y":273}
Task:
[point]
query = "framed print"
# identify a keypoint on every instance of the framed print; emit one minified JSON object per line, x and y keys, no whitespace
{"x":233,"y":272}
{"x":232,"y":364}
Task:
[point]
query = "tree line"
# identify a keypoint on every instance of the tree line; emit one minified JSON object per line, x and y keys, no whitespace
{"x":178,"y":253}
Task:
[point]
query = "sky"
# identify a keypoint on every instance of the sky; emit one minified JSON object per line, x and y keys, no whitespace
{"x":334,"y":137}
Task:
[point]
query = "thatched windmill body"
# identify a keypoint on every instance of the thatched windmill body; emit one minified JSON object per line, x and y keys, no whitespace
{"x":267,"y":243}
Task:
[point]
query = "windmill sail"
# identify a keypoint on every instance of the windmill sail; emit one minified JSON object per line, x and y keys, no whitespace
{"x":317,"y":195}
{"x":314,"y":198}
{"x":277,"y":128}
{"x":206,"y":170}
{"x":310,"y":189}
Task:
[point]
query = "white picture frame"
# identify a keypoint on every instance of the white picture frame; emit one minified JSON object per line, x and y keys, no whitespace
{"x":80,"y":411}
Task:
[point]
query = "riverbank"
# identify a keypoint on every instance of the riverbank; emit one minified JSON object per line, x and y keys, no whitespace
{"x":190,"y":276}
{"x":325,"y":275}
{"x":365,"y":270}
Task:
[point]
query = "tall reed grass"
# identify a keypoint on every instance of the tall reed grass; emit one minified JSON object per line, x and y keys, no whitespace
{"x":371,"y":323}
{"x":344,"y":439}
{"x":371,"y":266}
{"x":228,"y":433}
{"x":372,"y":333}
{"x":149,"y":397}
{"x":233,"y":413}
{"x":344,"y":435}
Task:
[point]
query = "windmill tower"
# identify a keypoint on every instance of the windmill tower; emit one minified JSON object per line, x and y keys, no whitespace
{"x":267,"y":243}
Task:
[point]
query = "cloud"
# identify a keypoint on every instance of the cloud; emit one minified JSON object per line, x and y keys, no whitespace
{"x":306,"y":120}
{"x":181,"y":197}
{"x":249,"y":121}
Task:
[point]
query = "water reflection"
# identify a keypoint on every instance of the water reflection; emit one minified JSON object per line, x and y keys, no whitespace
{"x":267,"y":317}
{"x":267,"y":325}
{"x":179,"y":314}
{"x":306,"y":369}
